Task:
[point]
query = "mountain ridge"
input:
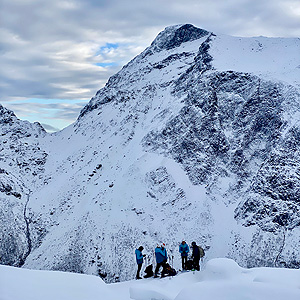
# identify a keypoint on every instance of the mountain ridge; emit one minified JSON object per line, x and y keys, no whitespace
{"x":179,"y":144}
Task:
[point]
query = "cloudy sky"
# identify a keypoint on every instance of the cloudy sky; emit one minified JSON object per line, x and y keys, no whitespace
{"x":56,"y":54}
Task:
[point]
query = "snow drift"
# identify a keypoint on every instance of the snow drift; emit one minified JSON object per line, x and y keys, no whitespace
{"x":222,"y":279}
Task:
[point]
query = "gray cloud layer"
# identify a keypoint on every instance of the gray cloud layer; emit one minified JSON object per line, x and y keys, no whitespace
{"x":59,"y":49}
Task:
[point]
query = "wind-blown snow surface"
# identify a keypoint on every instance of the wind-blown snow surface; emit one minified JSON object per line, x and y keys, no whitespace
{"x":197,"y":138}
{"x":222,"y":279}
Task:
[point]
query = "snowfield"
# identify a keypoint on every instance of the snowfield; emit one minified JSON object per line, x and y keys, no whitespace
{"x":222,"y":279}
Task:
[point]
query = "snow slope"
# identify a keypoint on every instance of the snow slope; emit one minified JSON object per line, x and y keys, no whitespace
{"x":196,"y":138}
{"x":270,"y":58}
{"x":222,"y":279}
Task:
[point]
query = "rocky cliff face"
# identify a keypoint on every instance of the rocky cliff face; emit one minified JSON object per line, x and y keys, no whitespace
{"x":21,"y":163}
{"x":188,"y":141}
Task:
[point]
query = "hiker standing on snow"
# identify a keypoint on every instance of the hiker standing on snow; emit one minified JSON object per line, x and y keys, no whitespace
{"x":184,"y":250}
{"x":161,"y":259}
{"x":139,"y":260}
{"x":196,"y":256}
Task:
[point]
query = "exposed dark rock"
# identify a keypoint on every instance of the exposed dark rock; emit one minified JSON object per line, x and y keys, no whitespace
{"x":173,"y":37}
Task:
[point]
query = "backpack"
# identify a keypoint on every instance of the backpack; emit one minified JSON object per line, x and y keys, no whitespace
{"x":149,"y":271}
{"x":169,"y":270}
{"x":201,"y":252}
{"x":189,"y":264}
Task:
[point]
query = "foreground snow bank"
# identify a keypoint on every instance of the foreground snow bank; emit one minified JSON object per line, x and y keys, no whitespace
{"x":17,"y":284}
{"x":222,"y":279}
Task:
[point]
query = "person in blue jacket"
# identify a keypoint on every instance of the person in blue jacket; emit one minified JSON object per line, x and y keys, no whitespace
{"x":161,"y":259}
{"x":184,"y":250}
{"x":139,"y":260}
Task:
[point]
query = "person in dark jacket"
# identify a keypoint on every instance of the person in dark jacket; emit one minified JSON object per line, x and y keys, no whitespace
{"x":196,"y":256}
{"x":184,"y":250}
{"x":139,"y":260}
{"x":161,"y":259}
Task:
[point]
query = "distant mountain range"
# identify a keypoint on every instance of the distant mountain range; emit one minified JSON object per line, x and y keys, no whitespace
{"x":196,"y":139}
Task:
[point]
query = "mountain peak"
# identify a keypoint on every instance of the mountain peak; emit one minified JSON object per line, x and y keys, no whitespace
{"x":11,"y":125}
{"x":6,"y":115}
{"x":174,"y":36}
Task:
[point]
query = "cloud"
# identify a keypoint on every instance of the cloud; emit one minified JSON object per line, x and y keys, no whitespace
{"x":57,"y":113}
{"x":67,"y":49}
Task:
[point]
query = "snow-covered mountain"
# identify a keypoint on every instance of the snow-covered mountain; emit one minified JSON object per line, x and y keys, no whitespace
{"x":21,"y":167}
{"x":196,"y":138}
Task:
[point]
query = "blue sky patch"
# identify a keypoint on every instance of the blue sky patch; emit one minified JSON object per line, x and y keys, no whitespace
{"x":107,"y":46}
{"x":108,"y":64}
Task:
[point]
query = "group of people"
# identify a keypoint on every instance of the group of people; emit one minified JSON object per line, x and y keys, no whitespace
{"x":162,"y":258}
